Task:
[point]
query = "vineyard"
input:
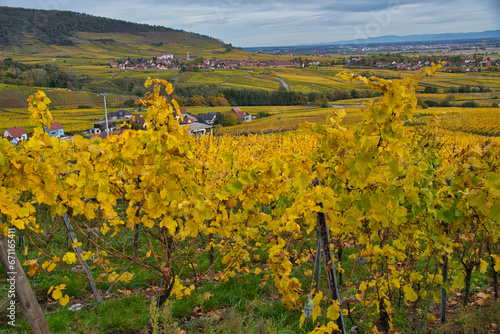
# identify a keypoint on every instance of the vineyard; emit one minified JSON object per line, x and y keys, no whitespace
{"x":405,"y":212}
{"x":230,"y":78}
{"x":481,"y":121}
{"x":11,"y":100}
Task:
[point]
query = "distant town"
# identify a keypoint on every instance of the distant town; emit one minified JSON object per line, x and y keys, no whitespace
{"x":393,"y":61}
{"x":359,"y":48}
{"x":464,"y":65}
{"x":167,"y":60}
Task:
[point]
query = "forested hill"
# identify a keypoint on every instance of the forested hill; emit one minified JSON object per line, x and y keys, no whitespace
{"x":20,"y":26}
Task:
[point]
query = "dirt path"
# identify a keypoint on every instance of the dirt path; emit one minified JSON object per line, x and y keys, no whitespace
{"x":283,"y":83}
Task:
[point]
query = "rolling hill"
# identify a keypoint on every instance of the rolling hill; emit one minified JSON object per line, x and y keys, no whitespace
{"x":32,"y":31}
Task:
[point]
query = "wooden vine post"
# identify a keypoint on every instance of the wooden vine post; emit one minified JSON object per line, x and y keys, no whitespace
{"x":19,"y":282}
{"x":323,"y":243}
{"x":78,"y":251}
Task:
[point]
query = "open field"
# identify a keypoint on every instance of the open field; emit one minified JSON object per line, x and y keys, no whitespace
{"x":92,"y":66}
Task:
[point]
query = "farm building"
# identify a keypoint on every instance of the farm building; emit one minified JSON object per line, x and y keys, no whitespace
{"x":16,"y":133}
{"x":56,"y":129}
{"x":241,"y":114}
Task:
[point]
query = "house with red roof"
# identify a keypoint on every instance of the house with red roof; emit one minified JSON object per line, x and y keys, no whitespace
{"x":56,"y":130}
{"x":139,"y":120}
{"x":241,"y":114}
{"x":17,"y":133}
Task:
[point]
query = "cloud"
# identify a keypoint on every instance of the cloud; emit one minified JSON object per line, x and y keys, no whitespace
{"x":286,"y":22}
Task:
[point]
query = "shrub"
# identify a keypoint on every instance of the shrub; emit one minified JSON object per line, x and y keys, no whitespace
{"x":130,"y":103}
{"x":470,"y":104}
{"x":464,"y":89}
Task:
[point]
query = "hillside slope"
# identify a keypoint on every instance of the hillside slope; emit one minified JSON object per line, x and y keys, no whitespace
{"x":32,"y":31}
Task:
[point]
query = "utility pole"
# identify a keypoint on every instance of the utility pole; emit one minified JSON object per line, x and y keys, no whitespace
{"x":105,"y":111}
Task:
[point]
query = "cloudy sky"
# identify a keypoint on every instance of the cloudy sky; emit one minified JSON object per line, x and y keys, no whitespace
{"x":249,"y":23}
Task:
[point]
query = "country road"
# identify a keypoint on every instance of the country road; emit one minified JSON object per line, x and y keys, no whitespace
{"x":283,"y":83}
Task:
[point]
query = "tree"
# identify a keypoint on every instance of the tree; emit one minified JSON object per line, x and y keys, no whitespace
{"x":464,"y":89}
{"x":230,"y":119}
{"x":9,"y":75}
{"x":197,"y":100}
{"x":354,"y":93}
{"x":181,"y":100}
{"x":220,"y":100}
{"x":130,"y":103}
{"x":470,"y":104}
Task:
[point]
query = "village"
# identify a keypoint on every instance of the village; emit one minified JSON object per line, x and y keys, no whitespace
{"x":467,"y":65}
{"x":112,"y":125}
{"x":167,"y":60}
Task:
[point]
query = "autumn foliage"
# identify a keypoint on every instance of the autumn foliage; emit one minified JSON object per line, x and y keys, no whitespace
{"x":394,"y":194}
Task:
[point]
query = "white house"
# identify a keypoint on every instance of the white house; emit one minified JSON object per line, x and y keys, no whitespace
{"x":198,"y":129}
{"x":207,"y":118}
{"x":101,"y":127}
{"x":120,"y":114}
{"x":165,"y":56}
{"x":56,"y":129}
{"x":16,"y":133}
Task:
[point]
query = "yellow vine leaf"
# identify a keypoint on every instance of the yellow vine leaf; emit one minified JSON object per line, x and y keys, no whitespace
{"x":409,"y":293}
{"x":126,"y":277}
{"x":333,"y":311}
{"x":302,"y":320}
{"x":57,"y":294}
{"x":112,"y":276}
{"x":497,"y":262}
{"x":316,"y":305}
{"x":69,"y":258}
{"x":64,"y":300}
{"x":30,"y":262}
{"x":458,"y":280}
{"x":483,"y":266}
{"x":48,"y":265}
